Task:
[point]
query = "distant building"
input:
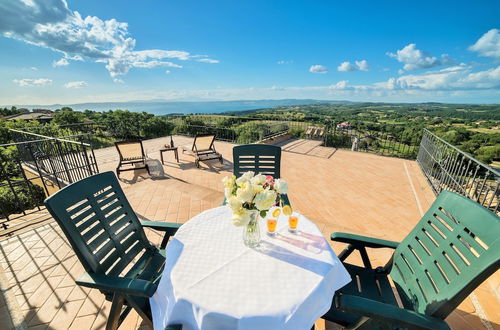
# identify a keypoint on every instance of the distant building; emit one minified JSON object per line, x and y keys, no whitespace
{"x":47,"y":111}
{"x":344,"y":125}
{"x":40,"y":116}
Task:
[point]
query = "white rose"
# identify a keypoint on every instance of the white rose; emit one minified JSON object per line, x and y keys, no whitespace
{"x":258,"y":179}
{"x":234,"y":204}
{"x":281,"y":186}
{"x":241,"y":217}
{"x":257,"y":188}
{"x":228,"y":192}
{"x":265,"y":200}
{"x":229,"y":181}
{"x":247,"y":176}
{"x":245,"y":192}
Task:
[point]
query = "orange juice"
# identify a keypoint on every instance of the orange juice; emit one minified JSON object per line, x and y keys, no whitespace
{"x":292,"y":222}
{"x":271,"y":225}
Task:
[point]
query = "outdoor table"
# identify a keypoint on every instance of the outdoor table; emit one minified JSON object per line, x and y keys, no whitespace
{"x":211,"y":280}
{"x":174,"y":149}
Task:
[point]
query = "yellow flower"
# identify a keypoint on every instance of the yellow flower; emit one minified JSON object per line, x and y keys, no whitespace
{"x":259,"y":179}
{"x":245,"y":192}
{"x":241,"y":217}
{"x":257,"y":188}
{"x":234,"y":204}
{"x":229,"y":181}
{"x":247,"y":176}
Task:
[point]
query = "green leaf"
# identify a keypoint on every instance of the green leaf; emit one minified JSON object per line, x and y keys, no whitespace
{"x":263,"y":214}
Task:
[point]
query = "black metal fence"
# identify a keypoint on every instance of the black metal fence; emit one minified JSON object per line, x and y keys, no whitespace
{"x":36,"y":166}
{"x":394,"y":140}
{"x":448,"y":168}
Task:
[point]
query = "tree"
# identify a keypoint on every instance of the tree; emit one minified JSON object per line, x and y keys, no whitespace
{"x":156,"y":127}
{"x":66,"y":117}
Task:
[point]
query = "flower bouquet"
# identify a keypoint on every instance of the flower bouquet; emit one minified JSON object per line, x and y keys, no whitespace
{"x":251,"y":195}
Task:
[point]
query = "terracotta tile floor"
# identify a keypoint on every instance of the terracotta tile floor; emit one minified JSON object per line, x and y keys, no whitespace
{"x":339,"y":190}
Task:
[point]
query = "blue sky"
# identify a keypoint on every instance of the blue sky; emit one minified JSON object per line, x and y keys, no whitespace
{"x":55,"y":51}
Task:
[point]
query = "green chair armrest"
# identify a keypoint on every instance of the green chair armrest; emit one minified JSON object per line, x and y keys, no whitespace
{"x":364,"y":241}
{"x":170,"y":227}
{"x":128,"y":286}
{"x":389,"y":314}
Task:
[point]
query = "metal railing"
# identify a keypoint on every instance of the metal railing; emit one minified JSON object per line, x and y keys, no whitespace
{"x":382,"y":139}
{"x":448,"y":168}
{"x":36,"y":166}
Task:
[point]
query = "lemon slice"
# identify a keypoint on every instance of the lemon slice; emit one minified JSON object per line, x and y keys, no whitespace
{"x":287,"y":210}
{"x":276,"y":213}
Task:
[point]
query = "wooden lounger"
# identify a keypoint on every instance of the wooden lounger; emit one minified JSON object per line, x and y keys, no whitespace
{"x":203,"y":149}
{"x":131,"y":153}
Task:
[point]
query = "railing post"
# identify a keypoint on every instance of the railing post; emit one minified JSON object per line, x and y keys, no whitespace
{"x":58,"y":145}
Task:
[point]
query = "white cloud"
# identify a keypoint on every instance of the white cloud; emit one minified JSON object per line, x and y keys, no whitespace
{"x":167,"y":71}
{"x":342,"y":84}
{"x":75,"y":84}
{"x":208,"y":60}
{"x":488,"y":45}
{"x":155,"y":64}
{"x":34,"y":68}
{"x":285,"y":62}
{"x":349,"y":67}
{"x":32,"y":82}
{"x":414,"y":58}
{"x":363,"y":65}
{"x":61,"y":62}
{"x":346,"y":67}
{"x":459,"y":77}
{"x":51,"y":24}
{"x":318,"y":69}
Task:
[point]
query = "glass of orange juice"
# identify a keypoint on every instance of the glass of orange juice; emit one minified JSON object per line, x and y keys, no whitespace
{"x":272,"y":222}
{"x":271,"y":226}
{"x":293,"y":221}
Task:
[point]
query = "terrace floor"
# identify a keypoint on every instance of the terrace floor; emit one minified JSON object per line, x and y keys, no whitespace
{"x":339,"y":190}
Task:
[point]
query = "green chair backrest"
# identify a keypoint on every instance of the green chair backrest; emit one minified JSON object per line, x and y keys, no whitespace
{"x":452,"y":249}
{"x":99,"y":223}
{"x":259,"y":158}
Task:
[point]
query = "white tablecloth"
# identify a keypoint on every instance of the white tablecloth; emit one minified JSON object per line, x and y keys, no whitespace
{"x":212,"y":280}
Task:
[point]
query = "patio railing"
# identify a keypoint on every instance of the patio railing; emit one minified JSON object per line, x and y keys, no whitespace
{"x":36,"y":166}
{"x":448,"y":168}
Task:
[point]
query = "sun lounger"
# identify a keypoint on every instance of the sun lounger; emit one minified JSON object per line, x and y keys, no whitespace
{"x":131,"y":153}
{"x":203,"y":149}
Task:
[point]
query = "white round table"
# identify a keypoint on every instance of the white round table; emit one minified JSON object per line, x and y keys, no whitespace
{"x":211,"y":280}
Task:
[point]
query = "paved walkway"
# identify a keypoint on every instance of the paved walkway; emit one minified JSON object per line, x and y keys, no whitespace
{"x":346,"y":191}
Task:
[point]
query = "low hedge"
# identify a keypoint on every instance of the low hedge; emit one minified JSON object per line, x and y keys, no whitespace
{"x":28,"y":195}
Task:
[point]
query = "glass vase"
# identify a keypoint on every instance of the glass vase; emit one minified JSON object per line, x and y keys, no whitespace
{"x":251,"y":233}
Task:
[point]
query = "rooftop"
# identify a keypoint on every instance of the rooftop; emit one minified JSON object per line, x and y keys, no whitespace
{"x":337,"y":189}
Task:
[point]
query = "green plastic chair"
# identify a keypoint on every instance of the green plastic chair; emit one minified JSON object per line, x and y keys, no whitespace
{"x":110,"y":242}
{"x":259,"y":158}
{"x":451,"y":250}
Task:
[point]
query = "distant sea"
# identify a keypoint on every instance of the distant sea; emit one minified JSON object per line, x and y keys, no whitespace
{"x":167,"y":107}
